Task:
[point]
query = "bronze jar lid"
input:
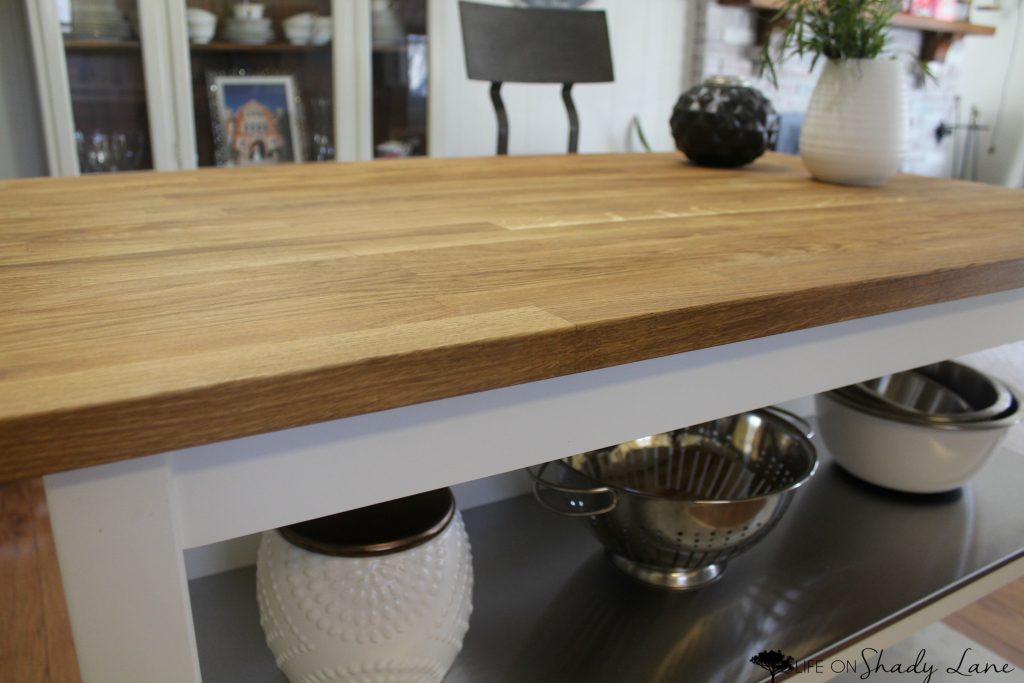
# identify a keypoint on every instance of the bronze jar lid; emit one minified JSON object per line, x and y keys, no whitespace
{"x":379,"y":529}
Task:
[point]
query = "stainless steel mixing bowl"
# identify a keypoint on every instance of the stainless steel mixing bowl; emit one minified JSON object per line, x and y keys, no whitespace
{"x":940,"y":392}
{"x":672,"y":508}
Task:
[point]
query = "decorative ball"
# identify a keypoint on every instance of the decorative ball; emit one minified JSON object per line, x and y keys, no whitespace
{"x":724,"y":122}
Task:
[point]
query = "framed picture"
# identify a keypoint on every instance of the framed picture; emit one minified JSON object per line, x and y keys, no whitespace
{"x":256,"y":119}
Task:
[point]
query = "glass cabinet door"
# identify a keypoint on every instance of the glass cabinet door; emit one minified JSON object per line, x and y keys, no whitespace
{"x":262,"y":82}
{"x":399,"y":39}
{"x":105,"y":75}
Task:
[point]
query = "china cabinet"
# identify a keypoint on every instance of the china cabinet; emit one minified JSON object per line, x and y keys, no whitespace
{"x":132,"y":84}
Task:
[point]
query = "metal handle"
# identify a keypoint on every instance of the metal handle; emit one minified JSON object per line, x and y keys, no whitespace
{"x":793,"y":418}
{"x":569,"y":501}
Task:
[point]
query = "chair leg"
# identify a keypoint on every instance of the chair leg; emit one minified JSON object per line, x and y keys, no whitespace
{"x":574,"y":121}
{"x":499,"y":111}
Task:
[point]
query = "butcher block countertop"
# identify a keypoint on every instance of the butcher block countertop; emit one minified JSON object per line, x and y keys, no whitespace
{"x":153,"y":311}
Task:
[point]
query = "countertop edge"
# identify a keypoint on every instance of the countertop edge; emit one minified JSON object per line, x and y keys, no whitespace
{"x":46,"y":443}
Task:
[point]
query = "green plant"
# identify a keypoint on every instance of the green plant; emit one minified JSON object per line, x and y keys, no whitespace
{"x":834,"y":29}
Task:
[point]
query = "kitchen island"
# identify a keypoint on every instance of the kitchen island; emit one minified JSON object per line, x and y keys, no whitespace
{"x":191,"y":357}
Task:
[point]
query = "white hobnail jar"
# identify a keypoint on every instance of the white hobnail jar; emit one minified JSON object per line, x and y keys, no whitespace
{"x":398,"y":616}
{"x":855,"y":128}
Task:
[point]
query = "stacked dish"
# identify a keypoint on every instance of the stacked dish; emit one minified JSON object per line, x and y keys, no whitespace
{"x":323,"y":30}
{"x":672,"y":508}
{"x":98,"y":19}
{"x":926,"y":430}
{"x":248,"y":31}
{"x":298,"y":28}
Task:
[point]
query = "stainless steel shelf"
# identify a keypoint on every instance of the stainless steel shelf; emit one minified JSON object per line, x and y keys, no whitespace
{"x":846,"y":559}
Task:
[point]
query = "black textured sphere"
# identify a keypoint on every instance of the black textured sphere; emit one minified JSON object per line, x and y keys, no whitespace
{"x":727,"y":125}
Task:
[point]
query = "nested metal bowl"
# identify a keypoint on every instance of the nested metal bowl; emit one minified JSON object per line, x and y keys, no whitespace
{"x":941,"y":392}
{"x":904,"y":452}
{"x":672,"y":508}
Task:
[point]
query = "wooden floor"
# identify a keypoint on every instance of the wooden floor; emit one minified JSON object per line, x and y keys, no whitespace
{"x":996,"y":622}
{"x":35,"y":636}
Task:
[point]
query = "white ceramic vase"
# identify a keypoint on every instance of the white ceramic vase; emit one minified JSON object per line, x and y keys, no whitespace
{"x":398,"y":617}
{"x":855,"y":129}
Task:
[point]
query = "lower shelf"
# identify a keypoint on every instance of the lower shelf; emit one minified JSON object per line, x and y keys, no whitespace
{"x":846,"y":559}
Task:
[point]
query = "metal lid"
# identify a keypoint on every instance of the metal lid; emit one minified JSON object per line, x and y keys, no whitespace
{"x":380,"y":529}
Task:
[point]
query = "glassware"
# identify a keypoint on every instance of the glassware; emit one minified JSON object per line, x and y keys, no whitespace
{"x":103,"y":152}
{"x":107,"y":82}
{"x":321,"y":124}
{"x":127,"y":150}
{"x":98,"y":154}
{"x":400,"y":77}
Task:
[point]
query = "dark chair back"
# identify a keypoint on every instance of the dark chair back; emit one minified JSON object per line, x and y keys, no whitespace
{"x":514,"y":45}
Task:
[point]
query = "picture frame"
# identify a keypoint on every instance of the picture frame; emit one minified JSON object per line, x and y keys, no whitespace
{"x":257,"y":118}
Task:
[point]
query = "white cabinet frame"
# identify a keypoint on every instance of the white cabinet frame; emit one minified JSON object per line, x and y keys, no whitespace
{"x":121,"y":528}
{"x":54,"y":91}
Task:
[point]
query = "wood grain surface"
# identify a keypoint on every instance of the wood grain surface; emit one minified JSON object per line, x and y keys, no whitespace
{"x":147,"y":312}
{"x":997,"y":622}
{"x":35,"y":634}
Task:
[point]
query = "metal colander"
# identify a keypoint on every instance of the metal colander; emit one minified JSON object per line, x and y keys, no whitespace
{"x":673,"y":507}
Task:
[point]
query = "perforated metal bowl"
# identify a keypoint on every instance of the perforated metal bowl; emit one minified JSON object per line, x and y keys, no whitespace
{"x":672,"y":508}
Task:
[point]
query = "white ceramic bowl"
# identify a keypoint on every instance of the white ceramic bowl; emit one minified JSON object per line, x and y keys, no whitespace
{"x":323,"y":29}
{"x":906,"y":456}
{"x":298,"y":36}
{"x":198,"y":15}
{"x":304,"y":20}
{"x":200,"y":36}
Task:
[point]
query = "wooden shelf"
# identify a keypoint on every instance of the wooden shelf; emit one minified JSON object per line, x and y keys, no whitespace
{"x":253,"y":47}
{"x":549,"y":606}
{"x":936,"y":34}
{"x":99,"y":44}
{"x":958,"y":28}
{"x":903,"y":20}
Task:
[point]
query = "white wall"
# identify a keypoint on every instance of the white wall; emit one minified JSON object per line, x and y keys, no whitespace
{"x":648,"y":54}
{"x":22,"y":150}
{"x":988,"y":61}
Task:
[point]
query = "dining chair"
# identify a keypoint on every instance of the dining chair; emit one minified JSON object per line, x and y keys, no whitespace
{"x":520,"y":45}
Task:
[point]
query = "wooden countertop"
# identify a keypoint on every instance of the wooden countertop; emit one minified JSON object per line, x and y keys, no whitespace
{"x":153,"y":311}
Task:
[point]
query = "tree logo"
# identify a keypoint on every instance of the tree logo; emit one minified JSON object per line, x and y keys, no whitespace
{"x":774,"y":662}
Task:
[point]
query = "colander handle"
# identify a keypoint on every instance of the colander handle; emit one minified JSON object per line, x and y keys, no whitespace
{"x":569,"y":501}
{"x":800,"y":423}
